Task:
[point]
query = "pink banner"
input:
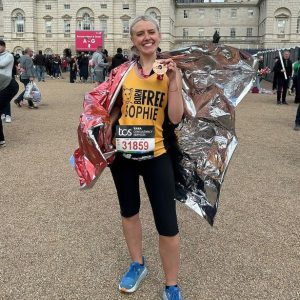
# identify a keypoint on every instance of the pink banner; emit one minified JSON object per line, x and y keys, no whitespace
{"x":88,"y":40}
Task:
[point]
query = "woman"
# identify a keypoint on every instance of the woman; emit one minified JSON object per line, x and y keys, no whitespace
{"x":73,"y":69}
{"x":148,"y":102}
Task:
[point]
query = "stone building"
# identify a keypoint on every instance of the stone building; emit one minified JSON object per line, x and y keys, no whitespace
{"x":50,"y":25}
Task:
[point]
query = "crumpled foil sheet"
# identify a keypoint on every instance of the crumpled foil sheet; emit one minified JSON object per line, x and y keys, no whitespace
{"x":215,"y":79}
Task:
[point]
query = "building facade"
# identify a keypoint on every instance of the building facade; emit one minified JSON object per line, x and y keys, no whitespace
{"x":50,"y":25}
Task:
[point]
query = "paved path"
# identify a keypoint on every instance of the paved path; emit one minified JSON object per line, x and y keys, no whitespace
{"x":59,"y":243}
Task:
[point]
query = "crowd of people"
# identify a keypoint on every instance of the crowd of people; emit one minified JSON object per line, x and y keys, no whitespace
{"x":286,"y":80}
{"x":94,"y":66}
{"x":84,"y":67}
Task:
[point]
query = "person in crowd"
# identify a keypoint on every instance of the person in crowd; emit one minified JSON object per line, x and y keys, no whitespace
{"x":27,"y":75}
{"x":281,"y":71}
{"x":91,"y":69}
{"x":297,"y":121}
{"x":118,"y":59}
{"x":56,"y":66}
{"x":84,"y":67}
{"x":73,"y":69}
{"x":297,"y":86}
{"x":8,"y":85}
{"x":259,"y":65}
{"x":40,"y":65}
{"x":49,"y":63}
{"x":99,"y":65}
{"x":295,"y":75}
{"x":108,"y":60}
{"x":274,"y":85}
{"x":64,"y":64}
{"x":154,"y":163}
{"x":6,"y":112}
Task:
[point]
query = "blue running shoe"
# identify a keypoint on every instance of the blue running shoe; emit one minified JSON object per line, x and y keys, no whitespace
{"x":172,"y":293}
{"x":133,"y":277}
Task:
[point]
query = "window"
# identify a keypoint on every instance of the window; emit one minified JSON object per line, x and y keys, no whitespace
{"x":125,"y":6}
{"x":233,"y":13}
{"x":86,"y":22}
{"x":103,"y":27}
{"x":67,"y":6}
{"x":217,"y":13}
{"x":281,"y":26}
{"x":48,"y":6}
{"x":103,"y":5}
{"x":201,"y":32}
{"x":85,"y":19}
{"x":249,"y":31}
{"x":125,"y":25}
{"x":48,"y":27}
{"x":298,"y":25}
{"x":250,"y":13}
{"x":283,"y":18}
{"x":232,"y":32}
{"x":154,"y":13}
{"x":67,"y":26}
{"x":19,"y":23}
{"x":201,"y":13}
{"x":185,"y":32}
{"x":185,"y":14}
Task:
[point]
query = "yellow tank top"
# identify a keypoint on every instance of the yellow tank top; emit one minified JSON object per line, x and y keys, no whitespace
{"x":144,"y":103}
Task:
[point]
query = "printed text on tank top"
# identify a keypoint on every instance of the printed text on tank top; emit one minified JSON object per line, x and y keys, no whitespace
{"x":140,"y":133}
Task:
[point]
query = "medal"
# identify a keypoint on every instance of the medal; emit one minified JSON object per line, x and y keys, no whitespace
{"x":159,"y":69}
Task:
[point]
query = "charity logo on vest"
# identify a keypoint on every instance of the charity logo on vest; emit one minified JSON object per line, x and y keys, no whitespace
{"x":145,"y":104}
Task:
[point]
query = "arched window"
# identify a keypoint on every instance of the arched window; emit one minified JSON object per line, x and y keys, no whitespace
{"x":154,"y":13}
{"x":18,"y":21}
{"x":18,"y":50}
{"x":85,"y":19}
{"x":282,"y":22}
{"x":86,"y":22}
{"x":48,"y":51}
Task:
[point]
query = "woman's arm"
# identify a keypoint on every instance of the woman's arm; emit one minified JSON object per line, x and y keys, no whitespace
{"x":175,"y":101}
{"x":114,"y":116}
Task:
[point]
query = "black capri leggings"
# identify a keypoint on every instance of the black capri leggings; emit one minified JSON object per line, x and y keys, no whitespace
{"x":159,"y":181}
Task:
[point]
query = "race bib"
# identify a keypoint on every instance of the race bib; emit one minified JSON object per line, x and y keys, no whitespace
{"x":135,"y":141}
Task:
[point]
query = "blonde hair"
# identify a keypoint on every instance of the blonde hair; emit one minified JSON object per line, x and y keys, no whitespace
{"x":143,"y":18}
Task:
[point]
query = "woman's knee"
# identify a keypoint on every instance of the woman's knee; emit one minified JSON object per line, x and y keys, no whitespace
{"x":130,"y":215}
{"x":166,"y":230}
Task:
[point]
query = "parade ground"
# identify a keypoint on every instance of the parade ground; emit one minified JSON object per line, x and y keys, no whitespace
{"x":60,"y":243}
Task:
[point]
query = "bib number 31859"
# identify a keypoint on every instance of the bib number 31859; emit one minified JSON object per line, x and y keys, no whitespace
{"x":136,"y":140}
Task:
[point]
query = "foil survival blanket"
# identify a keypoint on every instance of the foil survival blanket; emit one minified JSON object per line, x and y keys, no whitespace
{"x":215,"y":79}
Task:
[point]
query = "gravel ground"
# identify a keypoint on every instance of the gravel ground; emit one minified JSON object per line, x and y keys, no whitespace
{"x":57,"y":242}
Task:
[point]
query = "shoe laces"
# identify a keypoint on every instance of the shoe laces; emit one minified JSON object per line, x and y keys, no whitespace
{"x":134,"y":270}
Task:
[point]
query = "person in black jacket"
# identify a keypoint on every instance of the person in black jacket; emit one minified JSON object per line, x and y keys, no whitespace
{"x":274,"y":86}
{"x":40,"y":65}
{"x":118,"y":59}
{"x":282,"y":83}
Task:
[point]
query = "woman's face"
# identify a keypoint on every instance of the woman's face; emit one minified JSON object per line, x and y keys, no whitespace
{"x":145,"y":37}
